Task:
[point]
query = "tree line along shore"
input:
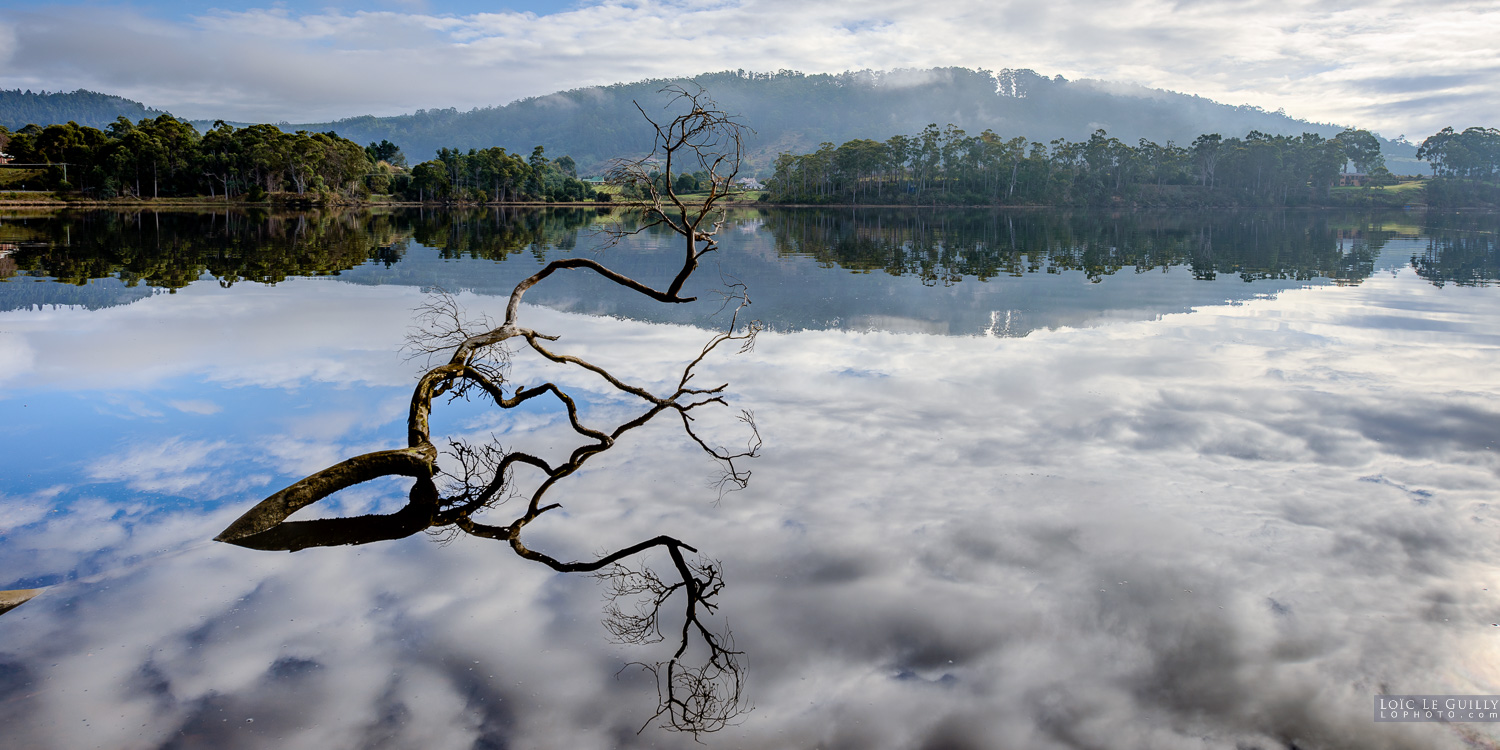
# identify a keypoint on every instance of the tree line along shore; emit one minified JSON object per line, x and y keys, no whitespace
{"x":166,"y":159}
{"x":951,"y":167}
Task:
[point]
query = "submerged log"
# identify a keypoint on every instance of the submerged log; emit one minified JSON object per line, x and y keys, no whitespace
{"x":9,"y":600}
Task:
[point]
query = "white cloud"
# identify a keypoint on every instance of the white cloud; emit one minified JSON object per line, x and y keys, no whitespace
{"x":1388,"y":65}
{"x":196,"y":406}
{"x":174,"y":466}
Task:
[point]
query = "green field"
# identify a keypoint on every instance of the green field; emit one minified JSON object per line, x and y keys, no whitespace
{"x":738,"y":197}
{"x":1411,"y":188}
{"x":12,"y":178}
{"x":1400,"y":194}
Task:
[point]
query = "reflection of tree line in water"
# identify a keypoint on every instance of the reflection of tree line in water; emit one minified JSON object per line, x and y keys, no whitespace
{"x":947,"y":246}
{"x":1465,"y":252}
{"x":171,"y":250}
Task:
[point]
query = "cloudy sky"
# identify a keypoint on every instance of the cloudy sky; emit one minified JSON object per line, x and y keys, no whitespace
{"x":1391,"y":65}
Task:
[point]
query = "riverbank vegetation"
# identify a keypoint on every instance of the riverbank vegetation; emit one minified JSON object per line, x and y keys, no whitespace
{"x":493,"y":175}
{"x":950,"y":167}
{"x":163,"y":157}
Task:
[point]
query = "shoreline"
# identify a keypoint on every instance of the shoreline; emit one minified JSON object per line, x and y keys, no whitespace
{"x":309,"y":204}
{"x":51,"y":201}
{"x":173,"y":203}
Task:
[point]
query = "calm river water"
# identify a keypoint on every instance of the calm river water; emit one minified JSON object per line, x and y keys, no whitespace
{"x":1027,"y":480}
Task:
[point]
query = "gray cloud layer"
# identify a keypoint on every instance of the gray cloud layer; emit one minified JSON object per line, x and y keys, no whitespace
{"x":1391,"y":66}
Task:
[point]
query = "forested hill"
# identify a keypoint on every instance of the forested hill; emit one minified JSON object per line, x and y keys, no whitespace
{"x":21,"y":108}
{"x":789,"y":111}
{"x":795,"y":112}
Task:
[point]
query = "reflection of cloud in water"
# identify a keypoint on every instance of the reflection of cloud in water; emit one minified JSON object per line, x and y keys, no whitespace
{"x":1148,"y":534}
{"x":23,"y":510}
{"x":297,"y":333}
{"x":196,"y":406}
{"x":176,"y":467}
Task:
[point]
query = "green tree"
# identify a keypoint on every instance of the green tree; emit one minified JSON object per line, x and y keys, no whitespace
{"x":1362,"y":148}
{"x":387,"y":152}
{"x":430,"y":180}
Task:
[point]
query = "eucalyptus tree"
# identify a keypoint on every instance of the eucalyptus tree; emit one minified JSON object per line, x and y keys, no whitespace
{"x":220,"y":154}
{"x":1362,"y":149}
{"x":177,"y":143}
{"x":1472,"y":154}
{"x":431,"y":181}
{"x":500,"y":172}
{"x":860,"y":161}
{"x":949,"y":166}
{"x":1206,"y":156}
{"x":536,"y":183}
{"x":387,"y":152}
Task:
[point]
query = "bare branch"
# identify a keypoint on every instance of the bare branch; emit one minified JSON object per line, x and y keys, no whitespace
{"x":468,"y":358}
{"x":410,"y":462}
{"x":441,"y":325}
{"x":706,"y":137}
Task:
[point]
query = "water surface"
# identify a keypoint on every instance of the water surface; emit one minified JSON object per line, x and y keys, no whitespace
{"x":1028,"y":480}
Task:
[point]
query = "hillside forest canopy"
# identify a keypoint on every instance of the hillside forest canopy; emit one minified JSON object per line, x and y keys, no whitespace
{"x":167,"y":157}
{"x":788,"y":110}
{"x":20,"y":108}
{"x":794,"y":111}
{"x":163,"y":156}
{"x":951,"y":167}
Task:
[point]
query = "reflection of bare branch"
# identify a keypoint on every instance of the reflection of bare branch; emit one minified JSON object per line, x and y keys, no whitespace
{"x":731,"y":478}
{"x":701,"y":697}
{"x":442,"y":325}
{"x":469,"y":359}
{"x":649,"y":592}
{"x":709,"y":696}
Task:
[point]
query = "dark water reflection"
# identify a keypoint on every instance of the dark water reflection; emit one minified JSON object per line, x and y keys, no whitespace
{"x":945,"y":247}
{"x":986,"y":262}
{"x":1144,"y":519}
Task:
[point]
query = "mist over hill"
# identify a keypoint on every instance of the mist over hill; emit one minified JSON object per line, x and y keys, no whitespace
{"x":89,"y":108}
{"x":792,"y":111}
{"x":789,"y":111}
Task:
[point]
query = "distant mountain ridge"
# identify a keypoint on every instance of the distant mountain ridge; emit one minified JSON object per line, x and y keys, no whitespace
{"x":792,"y":111}
{"x":89,"y":108}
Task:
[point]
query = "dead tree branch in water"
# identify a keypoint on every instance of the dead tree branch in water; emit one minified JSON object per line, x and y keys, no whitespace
{"x":472,"y":358}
